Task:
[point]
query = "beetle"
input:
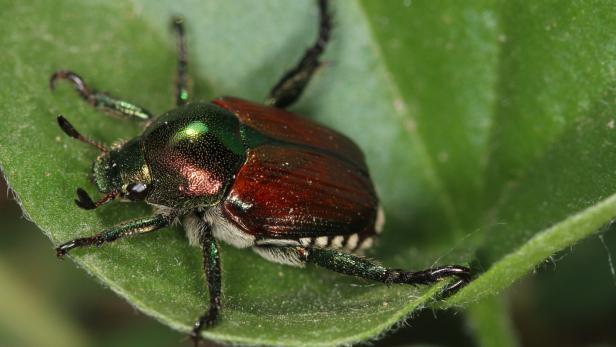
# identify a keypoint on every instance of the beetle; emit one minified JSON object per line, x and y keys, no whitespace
{"x":248,"y":174}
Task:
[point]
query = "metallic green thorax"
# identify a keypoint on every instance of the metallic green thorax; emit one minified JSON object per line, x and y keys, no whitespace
{"x":187,"y":158}
{"x":193,"y":153}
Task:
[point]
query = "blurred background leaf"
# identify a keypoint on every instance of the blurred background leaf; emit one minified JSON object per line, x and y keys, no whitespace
{"x":22,"y":309}
{"x":485,"y":124}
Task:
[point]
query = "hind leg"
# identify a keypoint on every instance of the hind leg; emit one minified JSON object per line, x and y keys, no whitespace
{"x":353,"y":265}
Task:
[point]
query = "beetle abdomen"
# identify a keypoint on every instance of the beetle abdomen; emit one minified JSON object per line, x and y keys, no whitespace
{"x":295,"y":192}
{"x":307,"y":183}
{"x":287,"y":127}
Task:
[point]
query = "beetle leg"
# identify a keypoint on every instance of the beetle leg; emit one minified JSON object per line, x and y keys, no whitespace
{"x":181,"y":84}
{"x":211,"y":267}
{"x":100,"y":100}
{"x":360,"y":267}
{"x":138,"y":226}
{"x":293,"y":82}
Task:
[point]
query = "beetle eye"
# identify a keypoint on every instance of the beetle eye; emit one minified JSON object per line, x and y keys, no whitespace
{"x":137,"y":191}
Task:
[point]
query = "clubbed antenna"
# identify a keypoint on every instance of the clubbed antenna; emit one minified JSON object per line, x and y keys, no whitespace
{"x":84,"y":201}
{"x":72,"y":132}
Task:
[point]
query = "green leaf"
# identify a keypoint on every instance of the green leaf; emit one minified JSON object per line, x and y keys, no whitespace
{"x":22,"y":308}
{"x":490,"y":323}
{"x":488,"y":128}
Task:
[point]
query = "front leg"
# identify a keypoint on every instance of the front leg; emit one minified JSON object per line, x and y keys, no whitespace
{"x":138,"y":226}
{"x":211,"y":267}
{"x":99,"y":100}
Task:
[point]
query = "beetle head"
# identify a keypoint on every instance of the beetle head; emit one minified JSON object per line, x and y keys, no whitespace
{"x":122,"y":171}
{"x":117,"y":172}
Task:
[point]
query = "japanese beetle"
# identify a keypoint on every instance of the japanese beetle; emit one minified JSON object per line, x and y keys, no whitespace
{"x":252,"y":175}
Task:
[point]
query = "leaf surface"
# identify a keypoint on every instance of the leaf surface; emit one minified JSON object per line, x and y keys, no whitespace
{"x":488,"y":128}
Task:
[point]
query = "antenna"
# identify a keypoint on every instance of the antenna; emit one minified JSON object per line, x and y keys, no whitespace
{"x":70,"y":130}
{"x":84,"y":201}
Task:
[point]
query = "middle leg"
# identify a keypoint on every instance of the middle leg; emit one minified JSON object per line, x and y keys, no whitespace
{"x":181,"y":84}
{"x":211,"y":265}
{"x":292,"y":83}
